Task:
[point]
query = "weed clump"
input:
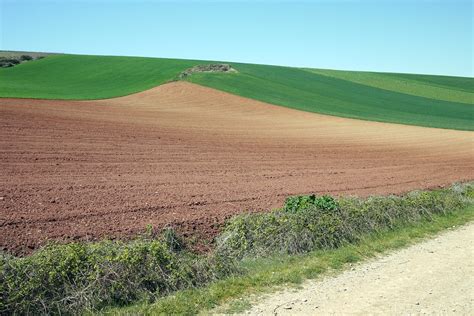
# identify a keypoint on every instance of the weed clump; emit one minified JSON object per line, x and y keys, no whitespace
{"x":298,"y":203}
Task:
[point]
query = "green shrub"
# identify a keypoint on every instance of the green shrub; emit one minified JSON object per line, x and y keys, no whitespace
{"x":26,"y":58}
{"x":75,"y":277}
{"x":6,"y":62}
{"x":308,"y":222}
{"x":302,"y":202}
{"x":10,"y":60}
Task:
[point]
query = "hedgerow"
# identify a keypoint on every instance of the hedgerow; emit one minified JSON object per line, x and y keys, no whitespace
{"x":77,"y":277}
{"x":70,"y":278}
{"x":308,"y":223}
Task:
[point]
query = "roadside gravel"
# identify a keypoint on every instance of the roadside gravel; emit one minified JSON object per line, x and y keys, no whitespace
{"x":430,"y":278}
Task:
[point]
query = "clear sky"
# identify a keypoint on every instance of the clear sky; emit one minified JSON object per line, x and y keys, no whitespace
{"x":417,"y":36}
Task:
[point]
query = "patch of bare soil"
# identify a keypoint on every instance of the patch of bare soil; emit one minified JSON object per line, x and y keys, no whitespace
{"x":190,"y":157}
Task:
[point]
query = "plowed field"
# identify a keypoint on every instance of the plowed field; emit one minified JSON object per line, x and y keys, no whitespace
{"x":190,"y":156}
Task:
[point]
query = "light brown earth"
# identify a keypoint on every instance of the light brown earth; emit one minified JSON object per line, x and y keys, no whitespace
{"x":189,"y":156}
{"x":435,"y":277}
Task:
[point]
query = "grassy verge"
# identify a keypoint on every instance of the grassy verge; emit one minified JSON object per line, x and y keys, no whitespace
{"x":253,"y":252}
{"x":266,"y":274}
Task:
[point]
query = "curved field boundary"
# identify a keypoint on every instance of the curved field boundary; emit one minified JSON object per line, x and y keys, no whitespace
{"x":189,"y":156}
{"x":308,"y":91}
{"x":431,"y":101}
{"x":454,"y":89}
{"x":82,"y":77}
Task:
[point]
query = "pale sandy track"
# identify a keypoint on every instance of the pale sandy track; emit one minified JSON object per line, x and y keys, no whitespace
{"x":190,"y":156}
{"x":435,"y":277}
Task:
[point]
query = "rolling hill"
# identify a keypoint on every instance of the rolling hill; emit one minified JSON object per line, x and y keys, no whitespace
{"x":423,"y":100}
{"x":81,"y":77}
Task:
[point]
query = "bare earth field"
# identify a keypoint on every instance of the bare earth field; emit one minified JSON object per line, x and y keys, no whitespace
{"x":190,"y":157}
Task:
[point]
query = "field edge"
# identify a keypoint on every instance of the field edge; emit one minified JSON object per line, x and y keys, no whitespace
{"x":270,"y":274}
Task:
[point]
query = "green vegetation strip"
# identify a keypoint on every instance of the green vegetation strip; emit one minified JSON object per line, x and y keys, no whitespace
{"x":266,"y":274}
{"x":432,"y":101}
{"x":78,"y":277}
{"x":347,"y":97}
{"x":80,"y":77}
{"x":253,"y":252}
{"x":445,"y":88}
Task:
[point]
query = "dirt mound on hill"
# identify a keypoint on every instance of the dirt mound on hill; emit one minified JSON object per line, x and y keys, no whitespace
{"x":207,"y":68}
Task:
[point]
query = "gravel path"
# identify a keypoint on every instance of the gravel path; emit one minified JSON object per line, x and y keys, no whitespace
{"x":435,"y":277}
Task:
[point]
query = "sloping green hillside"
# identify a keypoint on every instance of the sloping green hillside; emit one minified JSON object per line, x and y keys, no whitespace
{"x":453,"y":89}
{"x":87,"y":77}
{"x":366,"y":99}
{"x":433,"y":101}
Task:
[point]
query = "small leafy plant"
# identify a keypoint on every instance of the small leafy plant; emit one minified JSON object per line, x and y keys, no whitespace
{"x":295,"y":204}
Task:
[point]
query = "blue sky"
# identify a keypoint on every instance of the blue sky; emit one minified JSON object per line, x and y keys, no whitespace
{"x":418,"y":36}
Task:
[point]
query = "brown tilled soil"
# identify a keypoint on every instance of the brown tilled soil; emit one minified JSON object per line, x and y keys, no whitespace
{"x":190,"y":156}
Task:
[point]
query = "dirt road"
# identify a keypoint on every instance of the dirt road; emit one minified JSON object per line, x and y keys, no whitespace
{"x":189,"y":156}
{"x":435,"y":277}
